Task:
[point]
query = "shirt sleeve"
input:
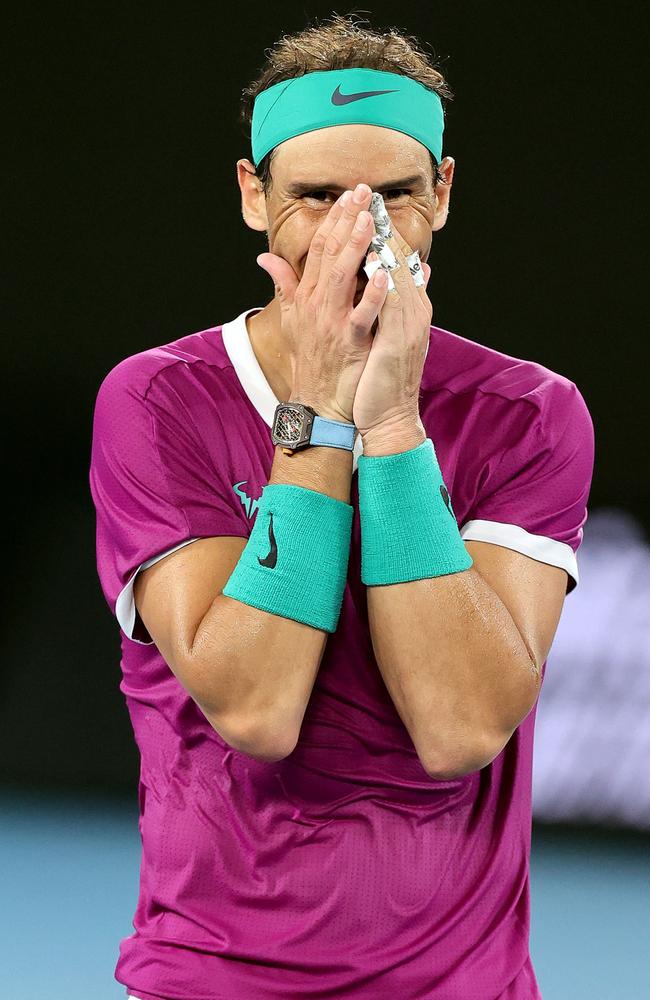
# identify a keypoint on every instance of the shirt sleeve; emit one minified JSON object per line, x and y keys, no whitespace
{"x":153,"y":486}
{"x":534,"y":483}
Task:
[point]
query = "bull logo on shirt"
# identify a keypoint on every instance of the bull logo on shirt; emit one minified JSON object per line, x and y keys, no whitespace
{"x":248,"y":503}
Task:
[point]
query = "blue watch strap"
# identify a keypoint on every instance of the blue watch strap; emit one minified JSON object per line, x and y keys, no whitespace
{"x":333,"y":433}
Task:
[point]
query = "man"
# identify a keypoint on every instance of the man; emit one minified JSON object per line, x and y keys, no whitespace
{"x":332,"y":652}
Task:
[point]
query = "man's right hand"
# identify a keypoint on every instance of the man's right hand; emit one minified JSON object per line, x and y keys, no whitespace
{"x":330,"y":336}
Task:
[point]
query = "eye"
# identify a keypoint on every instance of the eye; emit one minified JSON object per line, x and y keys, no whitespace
{"x":313,"y":194}
{"x":393,"y":191}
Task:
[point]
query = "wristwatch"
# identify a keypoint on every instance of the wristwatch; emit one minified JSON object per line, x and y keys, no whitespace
{"x":296,"y":426}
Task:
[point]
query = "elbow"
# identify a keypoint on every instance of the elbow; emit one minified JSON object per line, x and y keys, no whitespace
{"x":264,"y":751}
{"x":261,"y":741}
{"x":458,"y":765}
{"x":464,"y":750}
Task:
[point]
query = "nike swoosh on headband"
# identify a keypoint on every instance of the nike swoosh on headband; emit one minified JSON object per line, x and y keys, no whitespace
{"x":339,"y":98}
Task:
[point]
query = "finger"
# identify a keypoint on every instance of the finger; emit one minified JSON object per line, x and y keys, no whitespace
{"x":283,"y":276}
{"x":342,"y":276}
{"x":405,"y":281}
{"x":403,"y":245}
{"x":401,"y":275}
{"x":424,"y":268}
{"x":374,"y":295}
{"x":311,"y":271}
{"x":346,"y":246}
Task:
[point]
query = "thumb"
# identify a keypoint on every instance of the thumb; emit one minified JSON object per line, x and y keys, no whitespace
{"x":281,"y":274}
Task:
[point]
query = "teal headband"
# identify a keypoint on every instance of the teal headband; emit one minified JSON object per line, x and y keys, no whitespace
{"x":355,"y":96}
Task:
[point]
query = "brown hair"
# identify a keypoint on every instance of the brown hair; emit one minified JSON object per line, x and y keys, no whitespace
{"x":342,"y":44}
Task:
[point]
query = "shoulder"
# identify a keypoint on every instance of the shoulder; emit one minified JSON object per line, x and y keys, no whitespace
{"x":154,"y":372}
{"x":498,"y":387}
{"x":138,"y":373}
{"x":518,"y":442}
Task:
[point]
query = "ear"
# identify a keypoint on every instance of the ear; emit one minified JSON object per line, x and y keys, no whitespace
{"x":443,"y":193}
{"x":253,"y":201}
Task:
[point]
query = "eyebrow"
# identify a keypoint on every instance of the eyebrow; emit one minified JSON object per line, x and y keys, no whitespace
{"x":301,"y":187}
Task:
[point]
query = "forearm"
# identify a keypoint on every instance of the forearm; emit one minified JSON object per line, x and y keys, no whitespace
{"x":317,"y":467}
{"x":455,"y":666}
{"x":259,"y":669}
{"x":453,"y":660}
{"x":268,"y":662}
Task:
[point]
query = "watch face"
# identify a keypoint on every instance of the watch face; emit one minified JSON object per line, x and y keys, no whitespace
{"x":289,"y":424}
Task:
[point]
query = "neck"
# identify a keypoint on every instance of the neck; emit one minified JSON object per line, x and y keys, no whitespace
{"x":272,"y":351}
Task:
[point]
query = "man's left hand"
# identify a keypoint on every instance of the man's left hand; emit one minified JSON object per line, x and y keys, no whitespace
{"x":387,"y":395}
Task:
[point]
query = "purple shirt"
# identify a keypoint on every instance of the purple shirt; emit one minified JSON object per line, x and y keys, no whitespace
{"x":343,"y":870}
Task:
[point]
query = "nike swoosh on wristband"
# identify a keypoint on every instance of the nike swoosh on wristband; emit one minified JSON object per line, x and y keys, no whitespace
{"x":447,"y":499}
{"x":272,"y":557}
{"x":339,"y":98}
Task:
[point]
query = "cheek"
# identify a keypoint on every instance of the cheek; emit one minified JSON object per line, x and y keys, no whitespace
{"x":412,"y":224}
{"x":294,"y":233}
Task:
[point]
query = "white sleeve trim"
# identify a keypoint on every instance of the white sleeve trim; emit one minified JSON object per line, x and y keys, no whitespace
{"x":511,"y":536}
{"x":125,"y":604}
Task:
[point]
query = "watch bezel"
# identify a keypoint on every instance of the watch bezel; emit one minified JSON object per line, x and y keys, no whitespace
{"x":306,"y":412}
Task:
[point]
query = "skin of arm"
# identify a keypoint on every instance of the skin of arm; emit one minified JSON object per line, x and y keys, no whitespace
{"x":461,"y":654}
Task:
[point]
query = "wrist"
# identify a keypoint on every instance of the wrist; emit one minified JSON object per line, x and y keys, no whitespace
{"x":408,"y":527}
{"x":322,"y":409}
{"x":393,"y":438}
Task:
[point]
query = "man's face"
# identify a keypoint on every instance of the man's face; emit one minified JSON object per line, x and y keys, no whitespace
{"x":311,"y":170}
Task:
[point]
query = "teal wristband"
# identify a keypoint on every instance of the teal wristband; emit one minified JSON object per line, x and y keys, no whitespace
{"x":295,"y":562}
{"x":408,"y":526}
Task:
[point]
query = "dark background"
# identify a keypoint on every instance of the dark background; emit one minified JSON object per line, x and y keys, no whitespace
{"x":125,"y":232}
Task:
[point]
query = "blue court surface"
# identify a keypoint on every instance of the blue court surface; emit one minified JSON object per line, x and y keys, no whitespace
{"x":70,"y":865}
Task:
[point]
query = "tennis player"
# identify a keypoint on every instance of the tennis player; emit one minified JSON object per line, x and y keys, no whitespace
{"x":337,"y":540}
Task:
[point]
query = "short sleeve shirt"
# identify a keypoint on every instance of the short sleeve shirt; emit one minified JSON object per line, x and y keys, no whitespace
{"x":343,"y":870}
